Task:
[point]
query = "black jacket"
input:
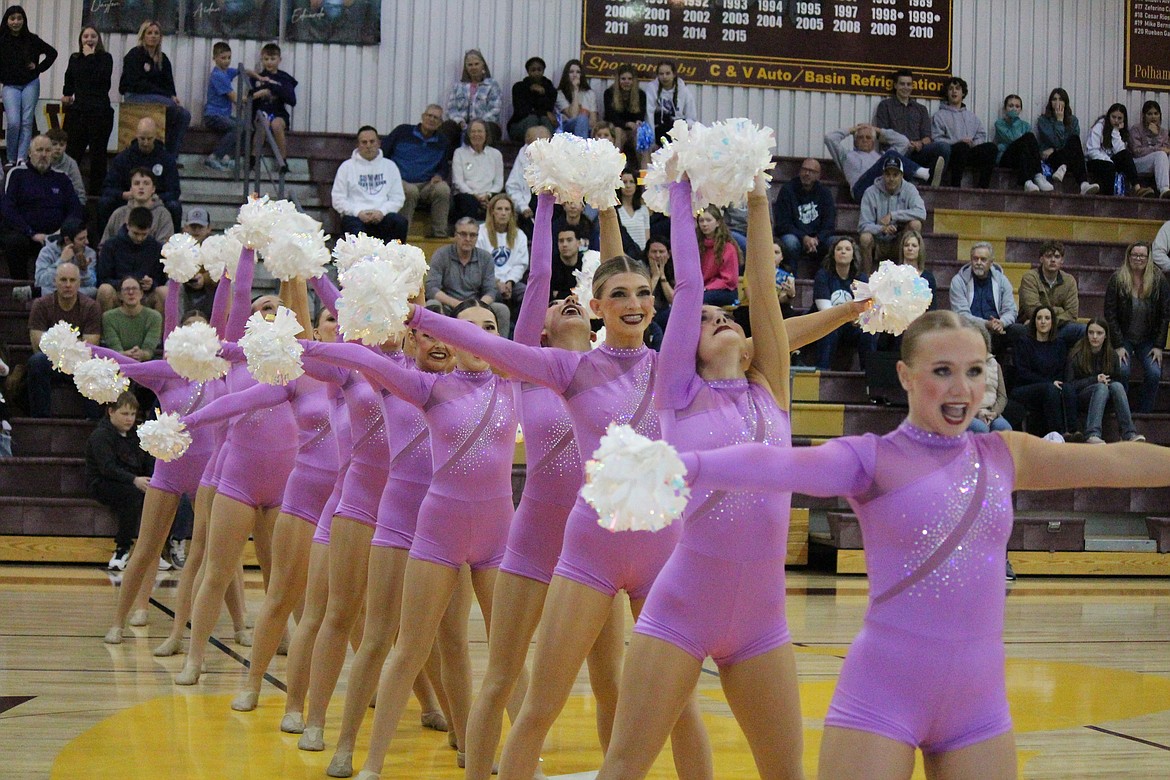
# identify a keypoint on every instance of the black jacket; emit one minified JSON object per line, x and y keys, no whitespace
{"x":142,"y":76}
{"x":120,"y":257}
{"x":87,"y":79}
{"x":18,"y":52}
{"x":526,"y":102}
{"x":112,"y":457}
{"x":160,"y":162}
{"x":1119,"y":309}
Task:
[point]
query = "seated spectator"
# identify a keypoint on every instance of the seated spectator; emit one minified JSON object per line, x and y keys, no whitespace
{"x":632,"y":212}
{"x":274,"y":92}
{"x":957,"y":126}
{"x":668,"y":98}
{"x":909,"y":118}
{"x":804,"y":216}
{"x":477,"y":173}
{"x":1137,"y":308}
{"x":719,"y":258}
{"x":1017,"y":148}
{"x":143,"y":194}
{"x":624,"y":141}
{"x":420,"y":152}
{"x":534,"y":101}
{"x":661,"y":277}
{"x":131,"y":252}
{"x":517,"y":187}
{"x":502,"y":239}
{"x":367,"y":191}
{"x":576,"y":103}
{"x":197,"y":293}
{"x":460,"y":271}
{"x":143,"y":152}
{"x":1149,"y":143}
{"x":572,"y":214}
{"x":570,"y":258}
{"x":131,"y":328}
{"x":785,"y":288}
{"x":833,"y":286}
{"x":147,"y":77}
{"x":862,"y":164}
{"x":475,"y":96}
{"x":1047,"y":285}
{"x":1107,"y":154}
{"x":625,"y":102}
{"x":61,"y":162}
{"x":1091,"y":382}
{"x":197,"y":224}
{"x":912,"y":251}
{"x":65,"y":304}
{"x":889,"y":206}
{"x":995,"y":399}
{"x":1059,"y":134}
{"x":70,"y":245}
{"x":117,"y":471}
{"x":980,"y":292}
{"x":1161,"y":248}
{"x":220,"y":107}
{"x":1040,"y":357}
{"x":36,"y":203}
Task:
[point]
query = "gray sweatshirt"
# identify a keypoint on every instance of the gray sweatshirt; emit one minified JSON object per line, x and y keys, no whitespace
{"x":902,"y":206}
{"x":854,"y":163}
{"x":951,"y":125}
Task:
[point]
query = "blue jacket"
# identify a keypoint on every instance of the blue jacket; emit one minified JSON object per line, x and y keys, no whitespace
{"x":37,"y":202}
{"x":417,"y":158}
{"x":160,"y":162}
{"x":804,"y":213}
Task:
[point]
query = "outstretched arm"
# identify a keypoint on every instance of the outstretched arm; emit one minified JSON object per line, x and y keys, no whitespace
{"x":677,"y":369}
{"x":327,"y":291}
{"x":530,"y":322}
{"x":225,"y":407}
{"x":241,"y":295}
{"x":171,"y":310}
{"x":408,"y":384}
{"x":769,"y":336}
{"x":220,"y":304}
{"x":152,"y":374}
{"x":831,"y":469}
{"x":807,"y":328}
{"x":1120,"y":465}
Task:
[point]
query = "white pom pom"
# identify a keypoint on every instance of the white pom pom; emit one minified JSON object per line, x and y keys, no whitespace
{"x":635,"y":483}
{"x":260,"y":221}
{"x":899,"y":296}
{"x":193,"y":351}
{"x":352,"y":248}
{"x":272,"y":349}
{"x":180,"y":258}
{"x":584,"y":287}
{"x":724,"y":159}
{"x":165,"y":438}
{"x":99,"y":380}
{"x":220,"y":254}
{"x":409,"y":259}
{"x":64,"y":347}
{"x":373,"y":302}
{"x":297,"y":249}
{"x":574,"y":168}
{"x":664,"y":170}
{"x":598,"y":338}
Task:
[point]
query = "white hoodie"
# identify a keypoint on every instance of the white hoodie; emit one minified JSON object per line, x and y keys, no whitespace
{"x":363,"y":184}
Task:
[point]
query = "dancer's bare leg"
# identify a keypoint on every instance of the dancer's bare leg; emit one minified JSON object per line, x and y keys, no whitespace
{"x":605,"y":669}
{"x":158,"y":511}
{"x":188,"y":580}
{"x":300,"y":650}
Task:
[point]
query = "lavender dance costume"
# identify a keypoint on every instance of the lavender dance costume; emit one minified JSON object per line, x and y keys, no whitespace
{"x":722,"y":591}
{"x":927,"y":668}
{"x":605,"y":385}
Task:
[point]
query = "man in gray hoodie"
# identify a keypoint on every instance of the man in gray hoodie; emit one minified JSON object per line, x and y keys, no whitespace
{"x":862,"y":162}
{"x":889,"y":206}
{"x":980,"y":292}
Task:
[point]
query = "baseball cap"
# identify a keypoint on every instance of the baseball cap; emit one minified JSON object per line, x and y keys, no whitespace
{"x":892,"y":162}
{"x":198,"y":216}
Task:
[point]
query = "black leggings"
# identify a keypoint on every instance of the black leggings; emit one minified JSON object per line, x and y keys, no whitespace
{"x":1023,"y":156}
{"x":1072,"y":156}
{"x":126,"y":501}
{"x":1103,"y":171}
{"x":980,"y":159}
{"x":90,"y":130}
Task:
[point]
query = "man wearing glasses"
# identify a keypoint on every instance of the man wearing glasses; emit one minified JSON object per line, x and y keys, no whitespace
{"x":420,"y":152}
{"x":460,"y":271}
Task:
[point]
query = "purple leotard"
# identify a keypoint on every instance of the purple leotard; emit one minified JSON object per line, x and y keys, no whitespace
{"x":465,"y":514}
{"x":554,"y":471}
{"x":722,"y":591}
{"x":339,"y":422}
{"x":409,"y":442}
{"x":927,"y":668}
{"x":599,"y":387}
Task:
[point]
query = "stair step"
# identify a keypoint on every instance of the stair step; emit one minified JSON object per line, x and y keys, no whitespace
{"x":195,"y":167}
{"x":1119,"y":544}
{"x":204,"y":191}
{"x":55,"y":516}
{"x":35,"y":437}
{"x":43,"y":476}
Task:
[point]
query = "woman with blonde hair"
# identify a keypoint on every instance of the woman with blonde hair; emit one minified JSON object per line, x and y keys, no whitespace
{"x":500,"y":237}
{"x":147,"y":77}
{"x":1137,"y":308}
{"x":625,"y":101}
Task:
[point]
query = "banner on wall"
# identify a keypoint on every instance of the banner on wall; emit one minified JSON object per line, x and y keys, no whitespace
{"x":254,"y":19}
{"x":334,"y":21}
{"x":838,"y":46}
{"x":1147,"y":44}
{"x":125,"y":16}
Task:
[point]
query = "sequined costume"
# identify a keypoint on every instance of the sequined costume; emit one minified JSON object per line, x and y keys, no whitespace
{"x":730,"y":558}
{"x":927,"y":668}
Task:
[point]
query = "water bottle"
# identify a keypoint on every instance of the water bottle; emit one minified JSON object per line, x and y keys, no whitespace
{"x":1119,"y":184}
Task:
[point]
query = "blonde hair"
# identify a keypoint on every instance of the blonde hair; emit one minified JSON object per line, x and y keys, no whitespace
{"x":622,"y":264}
{"x":627,"y":101}
{"x":921,"y":262}
{"x":931,"y":322}
{"x":1150,"y":277}
{"x":142,"y":28}
{"x":511,"y":230}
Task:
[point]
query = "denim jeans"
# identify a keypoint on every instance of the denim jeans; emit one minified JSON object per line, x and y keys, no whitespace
{"x":178,"y":118}
{"x":578,"y":125}
{"x":230,"y":127}
{"x":1098,"y":396}
{"x":20,"y":105}
{"x":1153,"y":374}
{"x":998,"y":424}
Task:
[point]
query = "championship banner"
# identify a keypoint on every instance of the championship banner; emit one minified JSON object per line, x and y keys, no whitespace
{"x":840,"y":46}
{"x":255,"y":19}
{"x":1147,"y":44}
{"x":125,"y":16}
{"x":334,"y":21}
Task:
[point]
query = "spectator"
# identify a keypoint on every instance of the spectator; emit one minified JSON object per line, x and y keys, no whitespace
{"x":36,"y":203}
{"x":477,"y":173}
{"x":1059,"y":133}
{"x":995,"y":399}
{"x":198,"y":292}
{"x":862,"y":163}
{"x":118,"y":471}
{"x":197,"y":224}
{"x":912,"y":251}
{"x":517,"y":187}
{"x":89,"y":117}
{"x":23,"y":58}
{"x":833,"y":286}
{"x":70,"y":245}
{"x":982,"y":293}
{"x":1161,"y":248}
{"x":625,"y":102}
{"x":1047,"y":285}
{"x":461,"y":270}
{"x":61,"y":162}
{"x":909,"y":118}
{"x":143,"y":194}
{"x":576,"y":103}
{"x":661,"y":277}
{"x":668,"y":99}
{"x":147,"y":78}
{"x":274,"y":92}
{"x":131,"y":328}
{"x":632,"y":212}
{"x":533,"y":101}
{"x":1108,"y":155}
{"x":1149,"y":143}
{"x":1040,"y":359}
{"x":1137,"y":308}
{"x":501,"y":238}
{"x":143,"y":152}
{"x":1017,"y":148}
{"x":475,"y":96}
{"x":570,"y":258}
{"x":957,"y":126}
{"x":64,"y":304}
{"x":719,"y":258}
{"x":367,"y":191}
{"x":131,"y":252}
{"x":420,"y":152}
{"x":785,"y":290}
{"x":804,"y":216}
{"x":887,"y":207}
{"x":604,"y":130}
{"x":219,"y":109}
{"x":572,"y":213}
{"x":1089,"y":382}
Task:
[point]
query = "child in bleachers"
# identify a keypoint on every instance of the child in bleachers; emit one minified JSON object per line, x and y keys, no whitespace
{"x":117,"y":471}
{"x":274,"y":92}
{"x":219,"y":110}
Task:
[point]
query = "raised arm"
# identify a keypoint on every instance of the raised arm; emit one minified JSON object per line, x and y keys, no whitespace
{"x":611,"y":234}
{"x":530,"y":322}
{"x":171,"y":310}
{"x":220,"y":305}
{"x":831,"y":469}
{"x":674,"y":386}
{"x":1118,"y":465}
{"x":294,"y":294}
{"x":241,"y":295}
{"x":258,"y":396}
{"x":769,"y":337}
{"x":408,"y":384}
{"x":327,"y":291}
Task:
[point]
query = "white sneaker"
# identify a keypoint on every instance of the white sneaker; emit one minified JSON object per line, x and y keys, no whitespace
{"x":1031,"y":186}
{"x":178,"y":553}
{"x":1042,"y":183}
{"x":120,"y":558}
{"x":1058,"y":174}
{"x":936,"y":174}
{"x":922,"y":174}
{"x":1089,"y":188}
{"x":164,"y":564}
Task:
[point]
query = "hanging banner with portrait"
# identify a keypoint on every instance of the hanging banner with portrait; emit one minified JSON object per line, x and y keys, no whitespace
{"x":334,"y":21}
{"x":253,"y":19}
{"x":126,"y":16}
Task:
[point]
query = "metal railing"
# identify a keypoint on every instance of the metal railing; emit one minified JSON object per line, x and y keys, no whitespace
{"x":255,"y":139}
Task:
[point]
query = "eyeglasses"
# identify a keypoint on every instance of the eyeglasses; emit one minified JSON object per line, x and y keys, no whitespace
{"x":463,"y":234}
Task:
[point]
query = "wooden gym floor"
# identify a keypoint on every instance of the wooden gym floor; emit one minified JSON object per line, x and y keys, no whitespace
{"x":1088,"y":679}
